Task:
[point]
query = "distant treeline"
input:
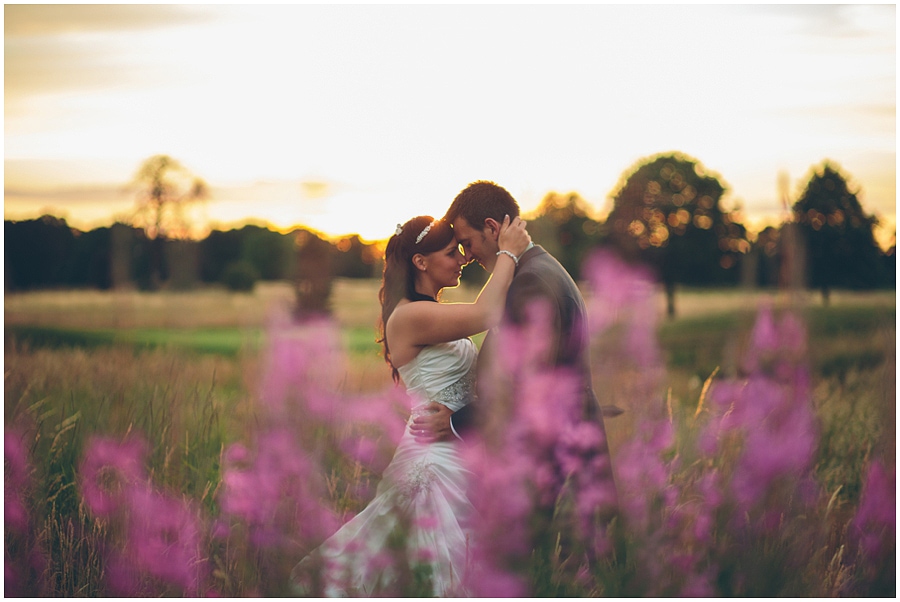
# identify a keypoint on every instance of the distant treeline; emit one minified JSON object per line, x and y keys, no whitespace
{"x":48,"y":253}
{"x":667,"y":215}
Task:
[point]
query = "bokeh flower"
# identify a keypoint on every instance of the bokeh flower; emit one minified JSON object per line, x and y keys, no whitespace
{"x":109,"y":470}
{"x":17,"y":481}
{"x":164,"y":536}
{"x":874,"y":527}
{"x":303,"y":364}
{"x":276,"y":490}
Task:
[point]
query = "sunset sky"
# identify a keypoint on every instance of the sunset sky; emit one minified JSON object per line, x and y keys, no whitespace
{"x":352,"y":118}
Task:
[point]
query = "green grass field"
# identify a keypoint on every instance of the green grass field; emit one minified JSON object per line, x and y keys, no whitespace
{"x":185,"y":370}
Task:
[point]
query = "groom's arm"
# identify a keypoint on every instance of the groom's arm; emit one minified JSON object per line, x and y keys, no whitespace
{"x":461,"y":420}
{"x":437,"y":425}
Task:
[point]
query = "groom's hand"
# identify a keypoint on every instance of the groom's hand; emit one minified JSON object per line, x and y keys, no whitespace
{"x":433,"y":426}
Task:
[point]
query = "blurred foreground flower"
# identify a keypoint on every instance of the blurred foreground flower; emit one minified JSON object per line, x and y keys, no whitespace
{"x":163,"y":541}
{"x":155,"y":535}
{"x":275,"y":490}
{"x":24,"y":559}
{"x":16,"y":482}
{"x":303,"y":363}
{"x":873,"y":531}
{"x":109,"y":470}
{"x":543,"y":482}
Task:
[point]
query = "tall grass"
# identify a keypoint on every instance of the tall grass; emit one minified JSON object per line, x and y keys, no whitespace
{"x":755,"y":456}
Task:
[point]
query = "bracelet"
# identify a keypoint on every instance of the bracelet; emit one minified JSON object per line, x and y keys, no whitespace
{"x":505,"y":252}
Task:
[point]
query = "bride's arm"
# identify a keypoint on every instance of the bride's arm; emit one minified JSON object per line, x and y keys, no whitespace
{"x":431,"y":323}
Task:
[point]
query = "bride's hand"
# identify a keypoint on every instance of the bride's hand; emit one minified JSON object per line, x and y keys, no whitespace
{"x":513,"y":236}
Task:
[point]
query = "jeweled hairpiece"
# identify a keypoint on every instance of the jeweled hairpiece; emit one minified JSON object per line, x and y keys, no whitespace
{"x":425,"y":232}
{"x":399,"y":230}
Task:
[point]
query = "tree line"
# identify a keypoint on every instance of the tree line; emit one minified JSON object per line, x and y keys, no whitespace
{"x":667,"y":214}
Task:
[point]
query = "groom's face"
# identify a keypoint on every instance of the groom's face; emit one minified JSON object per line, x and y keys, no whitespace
{"x":477,"y":244}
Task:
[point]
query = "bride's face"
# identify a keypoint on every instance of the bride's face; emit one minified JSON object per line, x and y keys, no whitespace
{"x":445,"y":266}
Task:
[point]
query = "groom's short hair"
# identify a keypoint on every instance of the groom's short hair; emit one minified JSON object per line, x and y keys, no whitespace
{"x":481,"y":200}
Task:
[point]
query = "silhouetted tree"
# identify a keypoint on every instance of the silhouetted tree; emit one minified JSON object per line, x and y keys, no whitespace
{"x":37,"y":252}
{"x":165,"y":188}
{"x":890,"y":267}
{"x":217,"y":251}
{"x":268,"y":251}
{"x":89,"y":263}
{"x":563,"y":226}
{"x":766,"y":258}
{"x":354,"y":258}
{"x":240,"y":275}
{"x":315,"y":275}
{"x":667,"y":213}
{"x":839,"y":237}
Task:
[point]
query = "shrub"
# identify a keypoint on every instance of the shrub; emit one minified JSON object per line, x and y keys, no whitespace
{"x":240,"y":276}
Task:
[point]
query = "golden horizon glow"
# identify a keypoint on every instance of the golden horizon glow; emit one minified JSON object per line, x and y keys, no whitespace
{"x":348,"y":120}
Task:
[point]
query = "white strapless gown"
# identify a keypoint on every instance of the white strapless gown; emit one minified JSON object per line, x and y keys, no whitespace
{"x":425,"y":484}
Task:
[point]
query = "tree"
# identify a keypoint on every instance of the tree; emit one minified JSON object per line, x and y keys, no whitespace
{"x":354,"y":258}
{"x":218,"y":250}
{"x":89,"y":263}
{"x":314,"y":275}
{"x":37,"y":252}
{"x":165,"y":188}
{"x":838,"y":236}
{"x":270,"y":252}
{"x":667,"y":213}
{"x":562,"y":224}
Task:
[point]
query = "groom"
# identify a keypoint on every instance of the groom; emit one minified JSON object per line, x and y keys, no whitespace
{"x":476,"y":215}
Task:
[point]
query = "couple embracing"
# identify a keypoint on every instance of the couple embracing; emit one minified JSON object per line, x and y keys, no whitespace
{"x":425,"y":488}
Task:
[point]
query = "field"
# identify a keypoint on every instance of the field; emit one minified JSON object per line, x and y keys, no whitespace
{"x":191,"y":375}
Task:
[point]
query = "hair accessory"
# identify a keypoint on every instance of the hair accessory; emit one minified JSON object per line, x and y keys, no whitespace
{"x":399,"y":230}
{"x":425,"y":232}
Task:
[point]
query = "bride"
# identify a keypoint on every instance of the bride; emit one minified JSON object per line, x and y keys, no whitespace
{"x":422,"y":493}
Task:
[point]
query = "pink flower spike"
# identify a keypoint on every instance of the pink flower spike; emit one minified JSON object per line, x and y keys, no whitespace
{"x":164,"y":539}
{"x":109,"y":469}
{"x":15,"y":456}
{"x":15,"y":514}
{"x":763,"y":339}
{"x":874,"y":527}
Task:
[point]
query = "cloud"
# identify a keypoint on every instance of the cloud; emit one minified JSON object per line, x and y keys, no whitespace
{"x":30,"y":20}
{"x":833,"y":20}
{"x":857,"y":119}
{"x":53,"y":49}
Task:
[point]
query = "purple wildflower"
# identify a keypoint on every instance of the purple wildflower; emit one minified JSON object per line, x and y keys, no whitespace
{"x":122,"y":576}
{"x":302,"y":361}
{"x":164,"y":539}
{"x":277,"y":489}
{"x":17,"y":481}
{"x":763,"y":339}
{"x":698,"y":585}
{"x":874,"y":527}
{"x":769,"y":412}
{"x":15,"y":459}
{"x":109,"y":470}
{"x":615,"y":288}
{"x":492,"y":583}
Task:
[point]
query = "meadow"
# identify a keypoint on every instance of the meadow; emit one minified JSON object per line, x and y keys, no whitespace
{"x":755,"y":454}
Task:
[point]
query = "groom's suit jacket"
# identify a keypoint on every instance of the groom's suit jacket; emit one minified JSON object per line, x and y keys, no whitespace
{"x":539,"y":276}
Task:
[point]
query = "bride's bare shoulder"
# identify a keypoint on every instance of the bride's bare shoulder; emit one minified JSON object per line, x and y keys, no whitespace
{"x":407,"y":314}
{"x":400,"y":313}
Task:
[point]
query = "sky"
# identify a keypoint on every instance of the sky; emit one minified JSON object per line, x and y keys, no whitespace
{"x":350,"y":119}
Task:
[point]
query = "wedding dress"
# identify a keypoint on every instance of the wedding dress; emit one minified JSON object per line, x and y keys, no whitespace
{"x":422,"y":494}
